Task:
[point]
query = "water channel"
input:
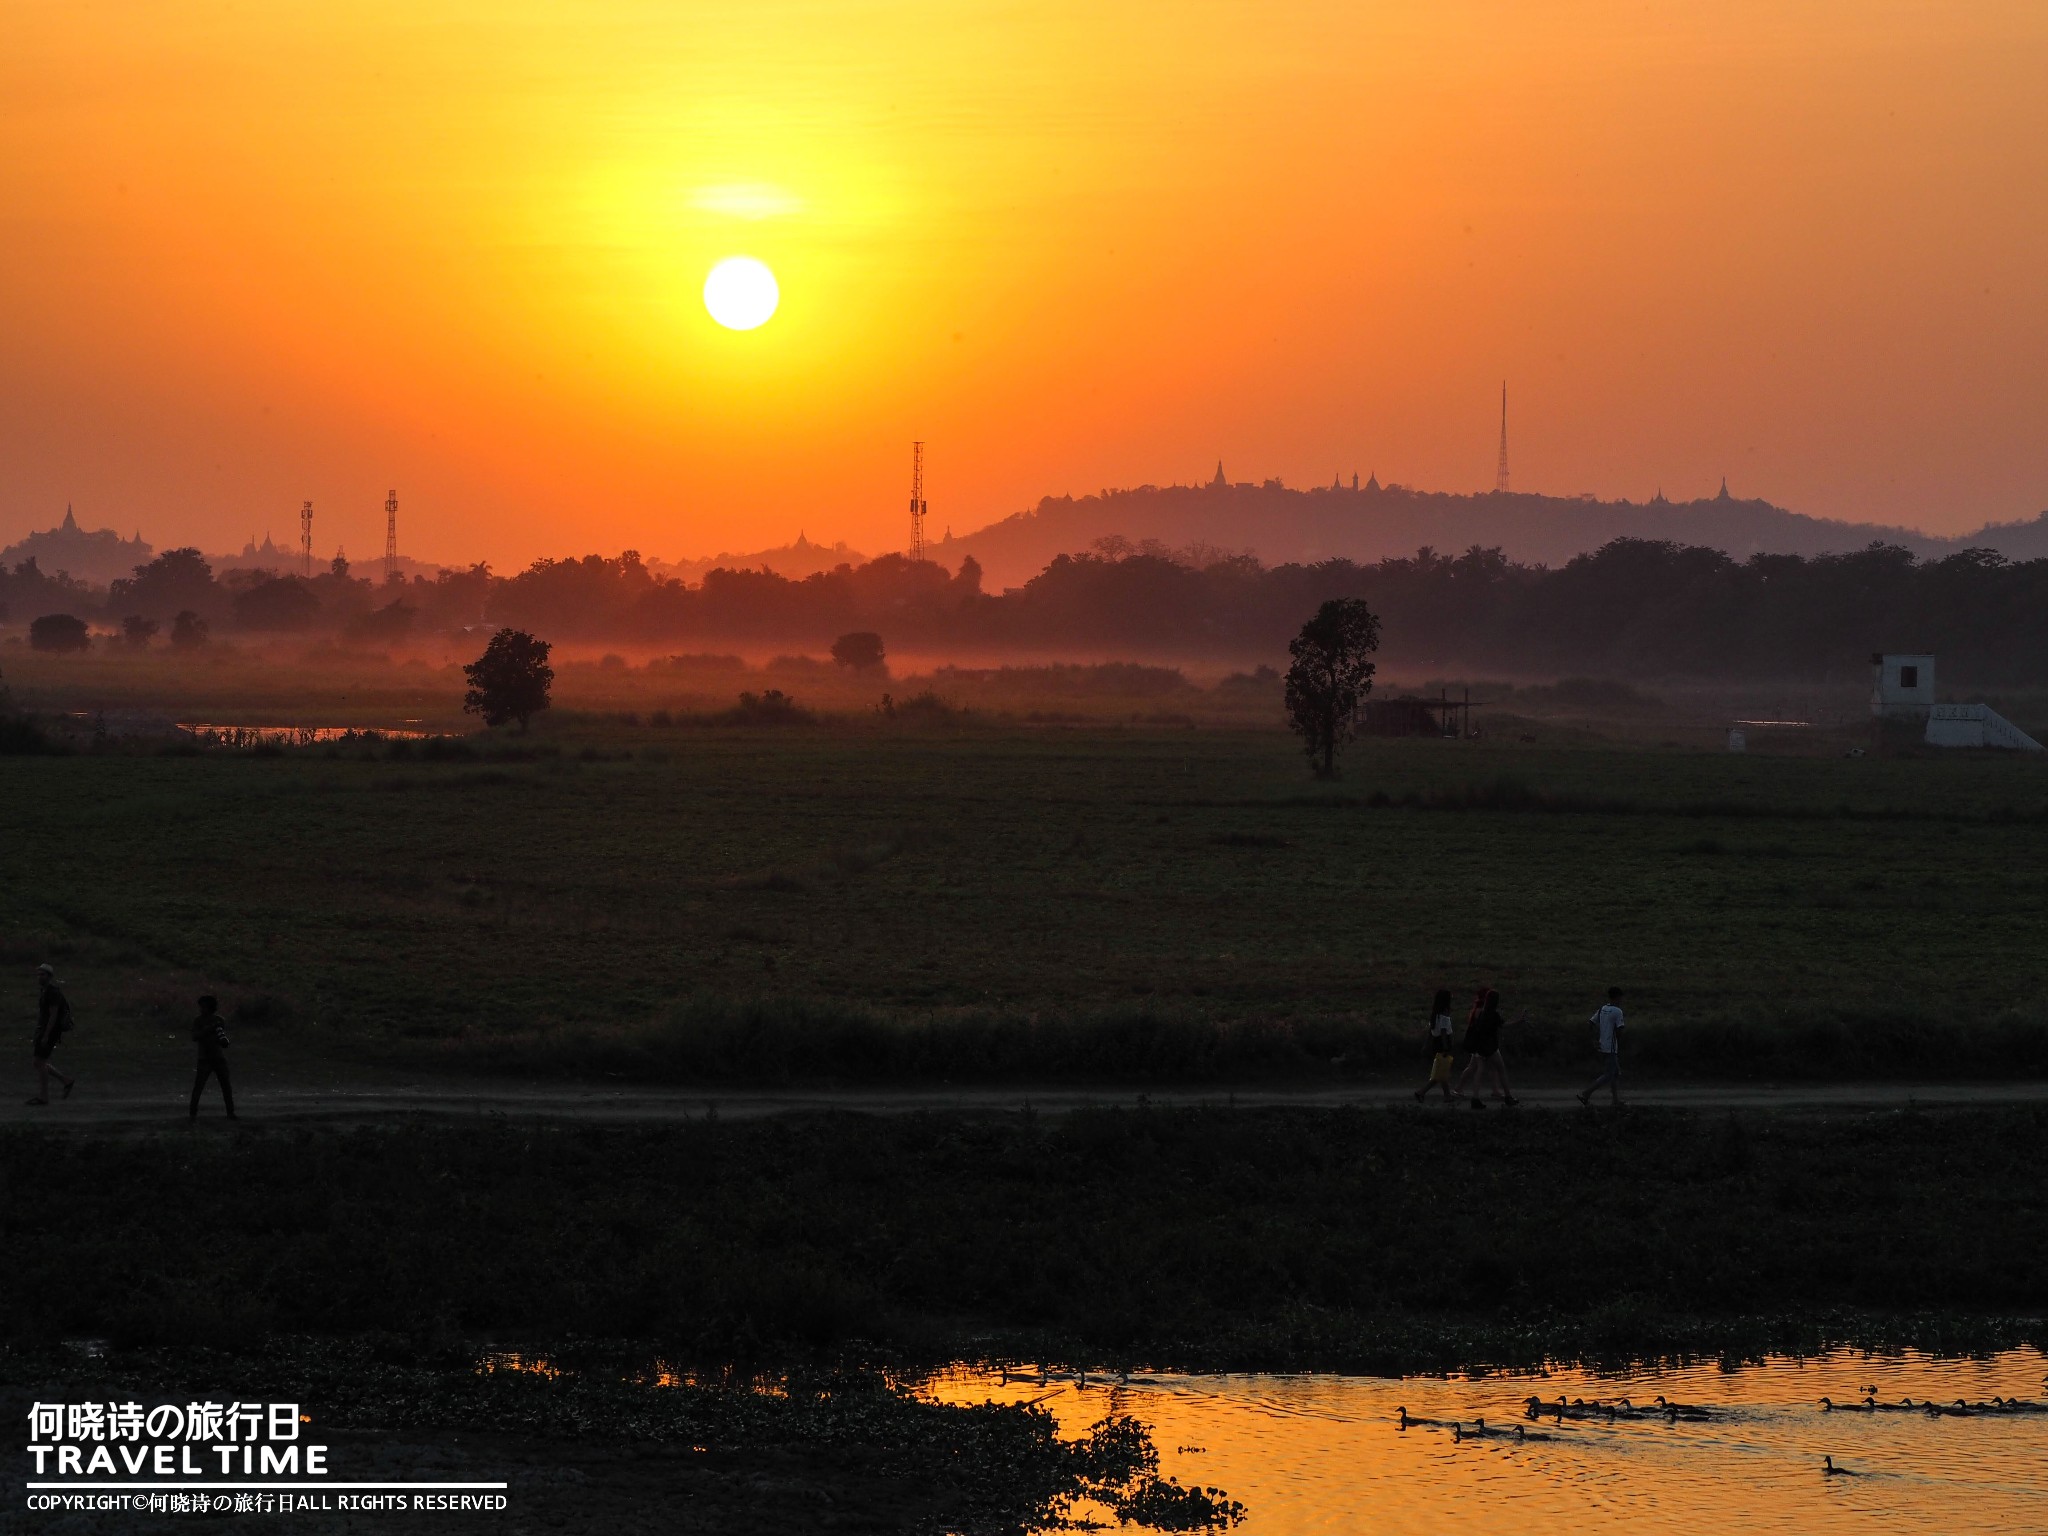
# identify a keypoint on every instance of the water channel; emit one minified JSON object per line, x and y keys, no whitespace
{"x":1320,"y":1453}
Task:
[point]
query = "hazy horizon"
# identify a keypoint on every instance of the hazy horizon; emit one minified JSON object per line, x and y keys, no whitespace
{"x":285,"y":536}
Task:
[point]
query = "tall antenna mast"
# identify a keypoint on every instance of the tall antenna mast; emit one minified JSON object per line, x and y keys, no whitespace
{"x":917,"y":507}
{"x":306,"y":538}
{"x":391,"y":537}
{"x":1500,"y":478}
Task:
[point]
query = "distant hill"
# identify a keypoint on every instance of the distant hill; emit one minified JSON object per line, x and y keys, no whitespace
{"x":1372,"y":522}
{"x":97,"y":557}
{"x":796,"y":561}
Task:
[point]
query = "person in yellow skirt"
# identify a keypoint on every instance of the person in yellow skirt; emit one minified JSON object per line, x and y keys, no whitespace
{"x":1441,"y":1057}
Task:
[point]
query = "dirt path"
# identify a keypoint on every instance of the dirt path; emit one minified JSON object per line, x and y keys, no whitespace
{"x":134,"y":1103}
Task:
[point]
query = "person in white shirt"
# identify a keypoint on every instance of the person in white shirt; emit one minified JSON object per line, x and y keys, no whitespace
{"x":1609,"y":1022}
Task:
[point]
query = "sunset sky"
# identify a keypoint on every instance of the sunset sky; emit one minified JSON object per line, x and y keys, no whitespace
{"x":253,"y":253}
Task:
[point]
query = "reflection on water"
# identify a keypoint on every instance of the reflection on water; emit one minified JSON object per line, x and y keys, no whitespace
{"x":293,"y":735}
{"x":1325,"y":1453}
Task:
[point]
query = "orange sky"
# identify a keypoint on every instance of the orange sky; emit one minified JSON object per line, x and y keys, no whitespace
{"x":254,"y":253}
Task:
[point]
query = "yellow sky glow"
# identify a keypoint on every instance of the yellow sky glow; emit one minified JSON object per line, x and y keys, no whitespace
{"x":253,"y":254}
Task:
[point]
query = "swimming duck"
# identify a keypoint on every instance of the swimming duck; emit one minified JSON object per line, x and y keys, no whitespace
{"x":1829,"y":1469}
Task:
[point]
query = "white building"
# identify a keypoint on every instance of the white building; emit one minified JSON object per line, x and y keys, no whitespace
{"x":1902,"y":688}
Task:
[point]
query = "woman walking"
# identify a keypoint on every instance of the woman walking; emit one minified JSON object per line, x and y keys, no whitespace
{"x":210,"y":1034}
{"x":1482,"y":1039}
{"x":53,"y":1022}
{"x":1440,"y":1059}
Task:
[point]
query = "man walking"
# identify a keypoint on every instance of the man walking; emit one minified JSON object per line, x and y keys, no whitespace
{"x":53,"y":1021}
{"x":1609,"y":1022}
{"x":210,"y":1034}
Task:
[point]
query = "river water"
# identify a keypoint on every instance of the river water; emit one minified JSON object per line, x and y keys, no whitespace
{"x":1318,"y":1453}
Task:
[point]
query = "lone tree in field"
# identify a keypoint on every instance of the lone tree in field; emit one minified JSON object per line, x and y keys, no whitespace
{"x":510,"y":681}
{"x":188,"y":630}
{"x":58,"y":632}
{"x":861,"y":651}
{"x":1331,"y":675}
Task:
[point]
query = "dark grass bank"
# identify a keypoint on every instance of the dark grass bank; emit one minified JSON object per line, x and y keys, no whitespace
{"x":799,"y":1041}
{"x":1184,"y":1237}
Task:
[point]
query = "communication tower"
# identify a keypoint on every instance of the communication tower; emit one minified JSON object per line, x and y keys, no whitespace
{"x":1500,"y":478}
{"x":391,"y":537}
{"x":306,"y":538}
{"x":917,"y":506}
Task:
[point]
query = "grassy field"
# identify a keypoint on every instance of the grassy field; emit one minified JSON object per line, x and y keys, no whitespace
{"x":985,"y":901}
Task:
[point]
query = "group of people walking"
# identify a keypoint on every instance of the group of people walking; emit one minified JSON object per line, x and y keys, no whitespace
{"x":53,"y":1023}
{"x":1485,"y":1074}
{"x":1486,"y":1070}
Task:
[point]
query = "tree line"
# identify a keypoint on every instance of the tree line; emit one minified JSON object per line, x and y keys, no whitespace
{"x":1634,"y":607}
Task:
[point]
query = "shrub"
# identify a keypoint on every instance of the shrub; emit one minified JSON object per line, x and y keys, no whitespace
{"x":58,"y":633}
{"x":773,"y":707}
{"x":862,"y":650}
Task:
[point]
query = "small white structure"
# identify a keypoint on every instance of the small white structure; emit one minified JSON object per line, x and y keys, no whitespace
{"x":1903,"y":689}
{"x":1903,"y":686}
{"x":1738,"y":742}
{"x":1976,"y":725}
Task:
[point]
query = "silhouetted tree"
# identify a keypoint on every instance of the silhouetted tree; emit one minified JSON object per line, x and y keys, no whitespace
{"x":58,"y":632}
{"x":1331,"y":675}
{"x":510,"y":681}
{"x":386,"y":625}
{"x":861,"y":650}
{"x":283,"y":605}
{"x":137,"y":632}
{"x":188,"y":631}
{"x":175,"y":579}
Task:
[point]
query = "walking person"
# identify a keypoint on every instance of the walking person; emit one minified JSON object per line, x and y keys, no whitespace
{"x":53,"y":1022}
{"x":1440,"y":1057}
{"x":210,"y":1034}
{"x":1608,"y":1023}
{"x":1482,"y":1039}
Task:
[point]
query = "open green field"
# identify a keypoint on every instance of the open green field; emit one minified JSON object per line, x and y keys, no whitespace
{"x":1001,"y":901}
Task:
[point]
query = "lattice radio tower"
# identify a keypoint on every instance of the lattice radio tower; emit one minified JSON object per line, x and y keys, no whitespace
{"x":917,"y":506}
{"x":306,"y":537}
{"x":1500,"y":477}
{"x":391,"y":537}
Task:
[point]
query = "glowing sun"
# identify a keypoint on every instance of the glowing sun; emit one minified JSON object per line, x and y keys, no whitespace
{"x":741,"y":293}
